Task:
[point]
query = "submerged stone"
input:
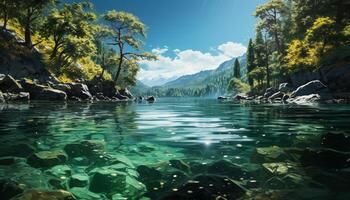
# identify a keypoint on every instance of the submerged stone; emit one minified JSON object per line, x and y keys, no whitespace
{"x":9,"y":189}
{"x":7,"y":160}
{"x":84,"y":194}
{"x":181,"y":165}
{"x":60,"y":171}
{"x":226,"y":168}
{"x":207,"y":187}
{"x":106,"y":180}
{"x":269,"y":154}
{"x":134,"y":189}
{"x":326,"y":158}
{"x":46,"y":159}
{"x":37,"y":194}
{"x":85,"y":148}
{"x":78,"y":180}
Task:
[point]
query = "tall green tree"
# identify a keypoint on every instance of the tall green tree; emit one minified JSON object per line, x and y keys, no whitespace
{"x":250,"y":62}
{"x":7,"y":11}
{"x":237,"y":69}
{"x":73,"y":20}
{"x":128,"y":33}
{"x":30,"y":15}
{"x":270,"y":15}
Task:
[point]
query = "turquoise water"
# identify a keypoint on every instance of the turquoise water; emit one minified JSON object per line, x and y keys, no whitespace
{"x":195,"y":131}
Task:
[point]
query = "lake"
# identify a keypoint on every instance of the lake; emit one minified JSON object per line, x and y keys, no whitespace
{"x":155,"y":149}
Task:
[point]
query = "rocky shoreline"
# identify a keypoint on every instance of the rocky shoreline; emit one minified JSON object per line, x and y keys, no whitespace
{"x":313,"y":91}
{"x":12,"y":90}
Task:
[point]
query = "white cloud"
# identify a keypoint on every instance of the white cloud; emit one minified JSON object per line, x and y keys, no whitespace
{"x":186,"y":62}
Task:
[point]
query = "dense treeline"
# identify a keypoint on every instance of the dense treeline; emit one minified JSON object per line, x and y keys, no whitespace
{"x":75,"y":42}
{"x":296,"y":35}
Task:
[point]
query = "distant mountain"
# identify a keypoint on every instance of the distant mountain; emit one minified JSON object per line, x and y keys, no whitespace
{"x":139,"y":89}
{"x":204,"y":83}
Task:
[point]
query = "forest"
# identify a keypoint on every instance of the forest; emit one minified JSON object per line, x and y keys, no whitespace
{"x":75,"y":42}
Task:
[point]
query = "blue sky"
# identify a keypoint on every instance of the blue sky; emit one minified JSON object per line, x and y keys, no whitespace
{"x":189,"y":35}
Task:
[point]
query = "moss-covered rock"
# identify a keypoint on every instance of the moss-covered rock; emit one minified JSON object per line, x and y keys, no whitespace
{"x":78,"y":180}
{"x":106,"y":180}
{"x":46,"y":159}
{"x":37,"y":194}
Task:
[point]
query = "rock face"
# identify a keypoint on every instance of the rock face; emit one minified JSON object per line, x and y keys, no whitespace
{"x":9,"y":84}
{"x":80,"y":91}
{"x":46,"y":159}
{"x":41,"y":92}
{"x":313,"y":87}
{"x":45,"y":195}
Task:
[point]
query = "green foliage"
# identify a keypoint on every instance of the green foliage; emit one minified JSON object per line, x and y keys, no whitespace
{"x":250,"y":61}
{"x":237,"y":86}
{"x":237,"y":69}
{"x":127,"y":30}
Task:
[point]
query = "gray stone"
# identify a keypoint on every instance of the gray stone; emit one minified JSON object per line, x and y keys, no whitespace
{"x":41,"y":92}
{"x":80,"y":91}
{"x":46,"y":159}
{"x":9,"y":84}
{"x":2,"y":98}
{"x":125,"y":92}
{"x":269,"y":91}
{"x":306,"y":99}
{"x":277,"y":95}
{"x":285,"y":87}
{"x":312,"y":87}
{"x":22,"y":96}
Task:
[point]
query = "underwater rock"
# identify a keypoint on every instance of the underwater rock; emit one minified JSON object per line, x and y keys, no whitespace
{"x":206,"y":187}
{"x":46,"y":159}
{"x":226,"y":168}
{"x":84,"y":194}
{"x":326,"y":158}
{"x":17,"y":150}
{"x":181,"y":165}
{"x":269,"y":154}
{"x":9,"y":84}
{"x":81,"y":161}
{"x":150,"y":176}
{"x":60,"y":171}
{"x":7,"y":160}
{"x":37,"y":194}
{"x":106,"y":180}
{"x":337,"y":141}
{"x":134,"y":189}
{"x":78,"y":180}
{"x":85,"y":148}
{"x":9,"y":189}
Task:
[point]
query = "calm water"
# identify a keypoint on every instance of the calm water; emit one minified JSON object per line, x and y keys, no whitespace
{"x":201,"y":130}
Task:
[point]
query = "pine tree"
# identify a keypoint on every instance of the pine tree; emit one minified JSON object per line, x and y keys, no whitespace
{"x":250,"y":62}
{"x":237,"y":69}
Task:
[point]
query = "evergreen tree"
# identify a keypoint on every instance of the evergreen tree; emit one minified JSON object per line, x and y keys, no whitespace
{"x":250,"y":62}
{"x":237,"y":69}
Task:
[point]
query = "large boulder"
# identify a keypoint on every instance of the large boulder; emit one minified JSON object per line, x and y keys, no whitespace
{"x":22,"y":96}
{"x":41,"y":92}
{"x":125,"y":92}
{"x":105,"y":87}
{"x":151,"y":99}
{"x":37,"y":194}
{"x":78,"y":180}
{"x":80,"y":91}
{"x":9,"y":84}
{"x":312,"y":87}
{"x":270,"y":91}
{"x":278,"y":95}
{"x":306,"y":99}
{"x":107,"y":180}
{"x":46,"y":159}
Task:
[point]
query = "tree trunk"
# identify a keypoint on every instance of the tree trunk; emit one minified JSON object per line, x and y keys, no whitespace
{"x":119,"y":69}
{"x":27,"y":31}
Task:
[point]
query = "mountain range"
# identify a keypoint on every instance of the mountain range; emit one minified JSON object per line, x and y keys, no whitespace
{"x":204,"y":83}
